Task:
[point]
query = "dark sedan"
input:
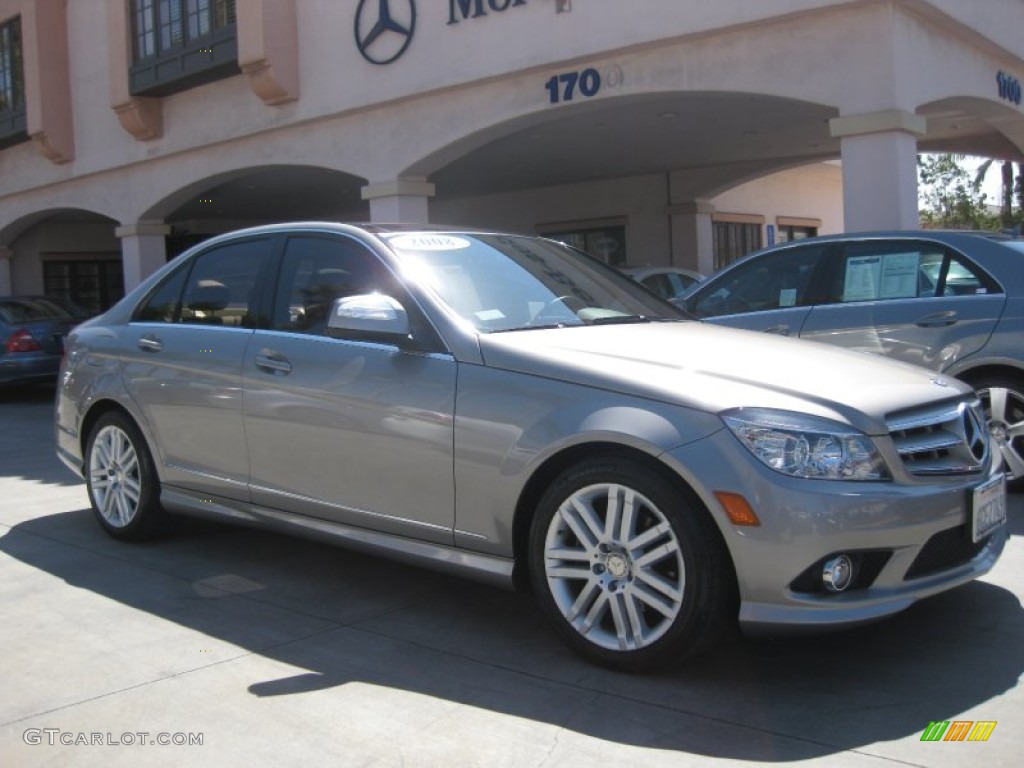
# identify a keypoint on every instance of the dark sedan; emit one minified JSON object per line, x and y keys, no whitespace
{"x":950,"y":301}
{"x":32,"y":331}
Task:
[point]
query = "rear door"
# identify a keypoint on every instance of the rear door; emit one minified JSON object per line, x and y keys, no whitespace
{"x":909,"y":299}
{"x":182,"y":364}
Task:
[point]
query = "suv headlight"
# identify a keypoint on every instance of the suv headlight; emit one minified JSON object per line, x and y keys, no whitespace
{"x":806,"y":446}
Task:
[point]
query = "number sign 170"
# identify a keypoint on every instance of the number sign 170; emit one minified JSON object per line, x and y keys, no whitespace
{"x":564,"y":87}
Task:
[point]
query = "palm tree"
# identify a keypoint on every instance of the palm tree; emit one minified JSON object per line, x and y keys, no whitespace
{"x":1006,"y":208}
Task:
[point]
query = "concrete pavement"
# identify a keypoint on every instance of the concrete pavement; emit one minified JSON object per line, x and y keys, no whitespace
{"x":276,"y":651}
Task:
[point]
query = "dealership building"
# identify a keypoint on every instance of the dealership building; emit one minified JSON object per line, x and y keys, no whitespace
{"x":679,"y":132}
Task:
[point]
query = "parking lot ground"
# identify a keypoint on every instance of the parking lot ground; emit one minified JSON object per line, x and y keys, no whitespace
{"x":274,"y":651}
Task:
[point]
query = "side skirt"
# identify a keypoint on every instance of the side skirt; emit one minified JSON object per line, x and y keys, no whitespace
{"x":496,"y":571}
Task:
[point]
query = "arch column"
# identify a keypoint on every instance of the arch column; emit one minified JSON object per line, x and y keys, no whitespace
{"x":879,"y":152}
{"x":692,"y":235}
{"x":143,"y":250}
{"x":6,"y":254}
{"x":401,"y":200}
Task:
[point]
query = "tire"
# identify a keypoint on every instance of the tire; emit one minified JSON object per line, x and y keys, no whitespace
{"x":1003,"y":400}
{"x":123,"y":485}
{"x":642,"y":583}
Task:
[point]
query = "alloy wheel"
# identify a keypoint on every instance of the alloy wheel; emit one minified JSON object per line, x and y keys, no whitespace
{"x":614,"y":567}
{"x":115,"y":476}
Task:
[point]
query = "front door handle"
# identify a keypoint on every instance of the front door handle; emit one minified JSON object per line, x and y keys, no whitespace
{"x":273,"y":362}
{"x":937,"y":320}
{"x":782,"y":329}
{"x":149,"y":343}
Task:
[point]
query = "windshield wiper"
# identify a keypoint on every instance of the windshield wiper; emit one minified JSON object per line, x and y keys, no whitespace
{"x":623,"y":319}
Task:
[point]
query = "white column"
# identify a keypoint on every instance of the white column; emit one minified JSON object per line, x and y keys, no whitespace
{"x":879,"y":152}
{"x":401,"y":200}
{"x":143,"y":250}
{"x":692,"y":236}
{"x":6,"y":254}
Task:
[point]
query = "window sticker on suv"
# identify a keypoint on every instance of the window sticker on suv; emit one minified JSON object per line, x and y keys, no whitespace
{"x":890,"y":276}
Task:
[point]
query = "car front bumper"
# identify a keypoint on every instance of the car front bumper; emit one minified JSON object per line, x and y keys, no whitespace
{"x":909,"y":539}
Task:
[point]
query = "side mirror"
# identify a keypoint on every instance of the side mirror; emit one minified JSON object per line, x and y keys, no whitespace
{"x":368,"y":317}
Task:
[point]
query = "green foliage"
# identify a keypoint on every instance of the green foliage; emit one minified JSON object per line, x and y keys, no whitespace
{"x":950,"y":199}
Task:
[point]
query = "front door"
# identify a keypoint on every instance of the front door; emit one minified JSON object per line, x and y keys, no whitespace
{"x":350,"y":431}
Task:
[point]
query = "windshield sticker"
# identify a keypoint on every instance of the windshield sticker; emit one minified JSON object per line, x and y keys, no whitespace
{"x":490,"y":314}
{"x":428,"y":242}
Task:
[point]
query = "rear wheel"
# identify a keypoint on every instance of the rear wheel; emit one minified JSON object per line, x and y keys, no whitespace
{"x":632,"y":573}
{"x":1003,"y":400}
{"x":123,"y":485}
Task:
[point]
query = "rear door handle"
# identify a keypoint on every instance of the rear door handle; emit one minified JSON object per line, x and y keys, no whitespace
{"x":273,"y":362}
{"x":937,"y":319}
{"x":149,"y":343}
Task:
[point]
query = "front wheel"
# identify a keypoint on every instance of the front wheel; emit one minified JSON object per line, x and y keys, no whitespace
{"x":123,"y":485}
{"x":1002,"y":397}
{"x":631,"y":572}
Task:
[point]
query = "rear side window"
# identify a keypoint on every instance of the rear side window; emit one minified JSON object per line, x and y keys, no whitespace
{"x":219,"y":287}
{"x":879,"y":271}
{"x":659,"y":284}
{"x":775,"y":280}
{"x":28,"y":310}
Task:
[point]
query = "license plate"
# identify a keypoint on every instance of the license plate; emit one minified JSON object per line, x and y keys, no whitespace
{"x":988,"y":510}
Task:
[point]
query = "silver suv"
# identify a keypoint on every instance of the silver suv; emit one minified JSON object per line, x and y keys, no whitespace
{"x":952,"y":302}
{"x":507,"y":408}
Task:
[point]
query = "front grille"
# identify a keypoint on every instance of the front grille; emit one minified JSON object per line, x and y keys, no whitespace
{"x":949,"y":439}
{"x":946,"y":549}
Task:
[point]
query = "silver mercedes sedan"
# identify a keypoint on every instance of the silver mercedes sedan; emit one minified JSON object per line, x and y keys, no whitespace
{"x":507,"y":408}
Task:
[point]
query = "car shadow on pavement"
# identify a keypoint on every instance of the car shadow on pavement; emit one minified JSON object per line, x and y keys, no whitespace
{"x":343,"y":617}
{"x":27,"y":446}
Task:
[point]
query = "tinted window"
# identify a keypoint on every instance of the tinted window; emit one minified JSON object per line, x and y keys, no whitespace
{"x":28,"y":310}
{"x":659,"y":284}
{"x":162,"y":305}
{"x":776,"y":280}
{"x":218,"y":287}
{"x":314,"y":272}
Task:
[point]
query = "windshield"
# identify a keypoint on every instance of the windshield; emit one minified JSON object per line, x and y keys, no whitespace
{"x":511,"y":282}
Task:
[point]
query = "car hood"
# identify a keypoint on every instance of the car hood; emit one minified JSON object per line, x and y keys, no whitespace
{"x":713,"y":368}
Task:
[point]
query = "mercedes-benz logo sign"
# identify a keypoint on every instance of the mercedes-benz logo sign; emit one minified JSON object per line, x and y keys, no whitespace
{"x":975,"y":434}
{"x":384,"y":29}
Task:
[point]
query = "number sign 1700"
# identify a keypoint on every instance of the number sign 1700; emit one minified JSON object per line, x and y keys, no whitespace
{"x":565,"y":86}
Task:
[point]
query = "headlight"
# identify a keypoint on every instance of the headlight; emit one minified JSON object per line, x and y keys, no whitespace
{"x":807,"y":446}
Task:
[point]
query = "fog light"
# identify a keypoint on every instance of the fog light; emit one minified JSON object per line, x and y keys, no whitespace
{"x":837,"y":573}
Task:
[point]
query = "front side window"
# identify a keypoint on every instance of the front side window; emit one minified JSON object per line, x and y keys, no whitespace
{"x":776,"y":280}
{"x":317,"y":270}
{"x":219,"y":287}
